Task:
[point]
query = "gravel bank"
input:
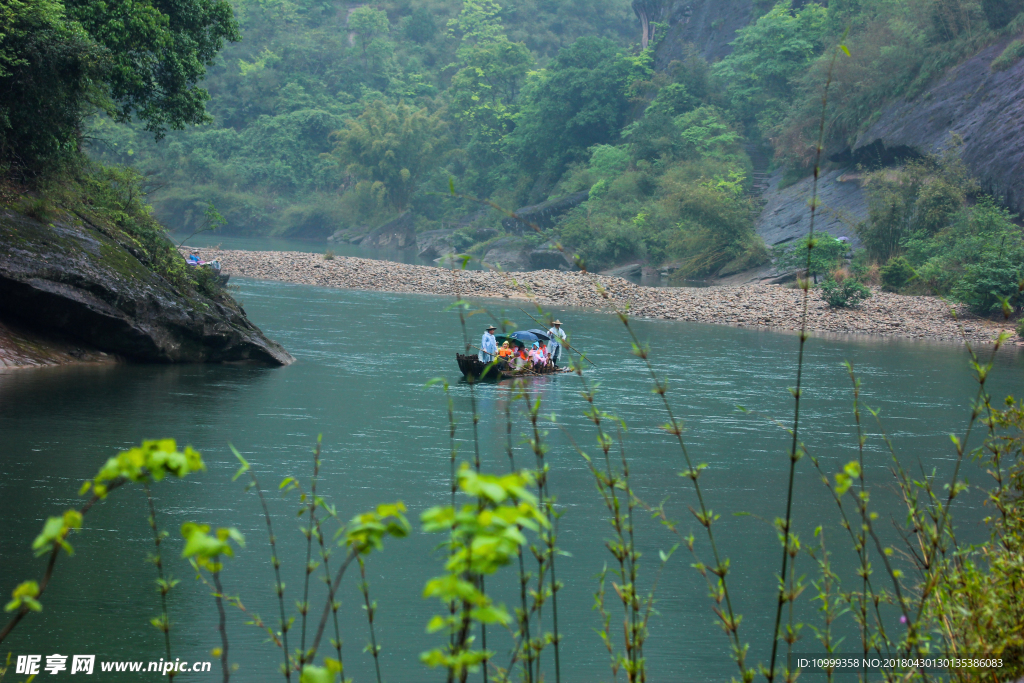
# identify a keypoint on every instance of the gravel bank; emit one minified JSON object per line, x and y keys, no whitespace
{"x":767,"y":306}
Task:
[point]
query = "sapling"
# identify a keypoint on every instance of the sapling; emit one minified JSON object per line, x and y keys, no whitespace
{"x":204,"y":551}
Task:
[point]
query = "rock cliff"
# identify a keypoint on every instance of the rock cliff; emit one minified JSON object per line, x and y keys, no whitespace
{"x":708,"y":25}
{"x":785,"y":217}
{"x":984,"y":107}
{"x":71,"y":280}
{"x":543,"y":215}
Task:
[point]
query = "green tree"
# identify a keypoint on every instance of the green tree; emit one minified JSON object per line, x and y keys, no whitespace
{"x":478,"y":21}
{"x":389,"y":147}
{"x":826,"y":254}
{"x":485,"y":92}
{"x":420,"y":26}
{"x":59,"y":62}
{"x":368,"y":23}
{"x":767,"y":59}
{"x":155,"y":55}
{"x":578,"y":102}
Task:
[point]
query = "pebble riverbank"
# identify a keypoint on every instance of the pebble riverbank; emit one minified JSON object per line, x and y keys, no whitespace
{"x":765,"y":306}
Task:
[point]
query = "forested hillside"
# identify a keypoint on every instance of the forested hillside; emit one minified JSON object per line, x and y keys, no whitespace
{"x":317,"y":94}
{"x":336,"y":118}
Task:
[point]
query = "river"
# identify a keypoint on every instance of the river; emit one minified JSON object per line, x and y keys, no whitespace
{"x":363,"y":361}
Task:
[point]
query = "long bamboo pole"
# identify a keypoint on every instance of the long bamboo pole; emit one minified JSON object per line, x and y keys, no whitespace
{"x":562,"y":342}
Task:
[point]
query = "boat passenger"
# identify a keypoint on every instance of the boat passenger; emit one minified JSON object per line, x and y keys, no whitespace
{"x":537,"y":357}
{"x":488,"y":345}
{"x":193,"y":259}
{"x":505,"y":354}
{"x":556,"y":334}
{"x":521,"y":357}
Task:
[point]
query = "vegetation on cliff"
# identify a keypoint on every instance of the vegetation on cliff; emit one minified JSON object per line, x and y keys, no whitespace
{"x":84,"y":256}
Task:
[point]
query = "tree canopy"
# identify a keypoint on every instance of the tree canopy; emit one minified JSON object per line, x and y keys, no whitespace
{"x":389,"y":147}
{"x":62,"y":60}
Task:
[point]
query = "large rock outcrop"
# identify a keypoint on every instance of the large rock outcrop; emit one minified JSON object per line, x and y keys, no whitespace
{"x":984,"y":107}
{"x":708,"y":25}
{"x":543,"y":215}
{"x":399,"y":232}
{"x":69,"y":279}
{"x":786,"y":214}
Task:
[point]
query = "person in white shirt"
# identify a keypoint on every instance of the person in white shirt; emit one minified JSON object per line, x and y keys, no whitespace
{"x":488,"y":345}
{"x":555,"y":335}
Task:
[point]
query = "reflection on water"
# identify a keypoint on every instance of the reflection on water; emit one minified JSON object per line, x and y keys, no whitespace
{"x":363,"y":361}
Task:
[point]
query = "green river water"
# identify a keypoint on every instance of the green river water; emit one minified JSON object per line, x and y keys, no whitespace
{"x":363,"y":361}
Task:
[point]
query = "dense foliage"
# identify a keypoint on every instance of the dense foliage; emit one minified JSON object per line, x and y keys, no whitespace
{"x":61,"y":61}
{"x":933,"y":232}
{"x":333,"y":117}
{"x":781,"y":63}
{"x":328,"y":120}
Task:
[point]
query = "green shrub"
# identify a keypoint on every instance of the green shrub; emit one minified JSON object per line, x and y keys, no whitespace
{"x":826,"y":254}
{"x":462,"y":240}
{"x":1010,"y":56}
{"x":896,"y":274}
{"x":846,"y":294}
{"x":985,"y":285}
{"x":860,"y":264}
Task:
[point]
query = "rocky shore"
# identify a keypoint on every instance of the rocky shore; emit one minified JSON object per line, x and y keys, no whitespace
{"x":756,"y":305}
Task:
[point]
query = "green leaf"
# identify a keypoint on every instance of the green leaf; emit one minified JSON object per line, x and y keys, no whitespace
{"x":317,"y":674}
{"x":245,"y":465}
{"x":24,"y":595}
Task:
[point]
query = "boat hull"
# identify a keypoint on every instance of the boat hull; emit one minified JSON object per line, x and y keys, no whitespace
{"x":471,"y":366}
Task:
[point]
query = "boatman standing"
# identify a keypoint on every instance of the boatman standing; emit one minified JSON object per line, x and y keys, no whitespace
{"x":488,"y":345}
{"x":555,"y":335}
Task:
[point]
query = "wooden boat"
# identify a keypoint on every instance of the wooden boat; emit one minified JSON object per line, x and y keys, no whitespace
{"x":473,"y":366}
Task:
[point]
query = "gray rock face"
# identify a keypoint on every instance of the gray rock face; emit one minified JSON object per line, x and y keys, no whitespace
{"x":399,"y":232}
{"x":435,"y":244}
{"x":509,"y":253}
{"x":79,"y":283}
{"x":709,"y":25}
{"x":984,"y":107}
{"x":544,"y":215}
{"x":627,"y":271}
{"x":785,"y":217}
{"x":547,"y":257}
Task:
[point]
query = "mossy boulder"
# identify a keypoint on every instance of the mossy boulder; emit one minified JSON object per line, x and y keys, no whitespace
{"x":67,"y":277}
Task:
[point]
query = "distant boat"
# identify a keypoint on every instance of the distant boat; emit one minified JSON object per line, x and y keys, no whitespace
{"x":472,"y":365}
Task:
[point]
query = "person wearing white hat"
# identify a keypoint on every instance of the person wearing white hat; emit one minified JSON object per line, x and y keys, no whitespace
{"x":488,"y":345}
{"x":555,"y":335}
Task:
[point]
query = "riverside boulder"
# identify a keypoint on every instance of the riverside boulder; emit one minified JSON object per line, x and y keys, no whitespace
{"x":70,"y":279}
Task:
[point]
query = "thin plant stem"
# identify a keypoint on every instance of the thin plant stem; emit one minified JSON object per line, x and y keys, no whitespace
{"x":278,"y":584}
{"x":333,"y":586}
{"x":524,"y":620}
{"x":794,"y":451}
{"x":163,"y":585}
{"x":222,"y":624}
{"x":52,"y":562}
{"x":325,"y":555}
{"x":705,"y":516}
{"x":370,"y":609}
{"x":309,"y":531}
